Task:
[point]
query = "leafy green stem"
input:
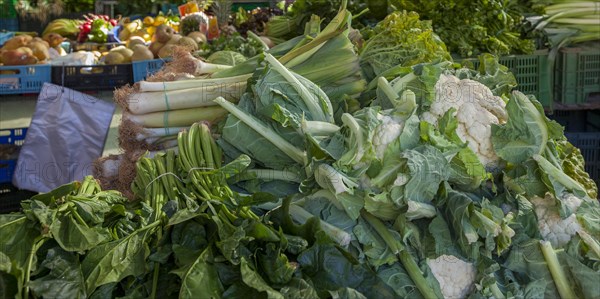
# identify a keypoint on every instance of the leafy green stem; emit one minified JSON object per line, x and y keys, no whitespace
{"x":559,"y":276}
{"x":36,"y":245}
{"x":405,"y":258}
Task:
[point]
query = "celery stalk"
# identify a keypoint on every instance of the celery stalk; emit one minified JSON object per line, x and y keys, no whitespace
{"x":293,"y":152}
{"x":560,"y":279}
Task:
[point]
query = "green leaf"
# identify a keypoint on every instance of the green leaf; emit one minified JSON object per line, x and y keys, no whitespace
{"x":17,"y":239}
{"x":104,"y":291}
{"x":298,"y":288}
{"x":524,"y":135}
{"x":527,"y":259}
{"x":346,"y":293}
{"x":235,"y":167}
{"x":583,"y":279}
{"x":330,"y":268}
{"x":396,"y":277}
{"x":113,"y":261}
{"x":8,"y":286}
{"x":246,"y":140}
{"x":230,"y":240}
{"x":200,"y":277}
{"x":402,"y":40}
{"x":255,"y":281}
{"x":74,"y":236}
{"x":382,"y":206}
{"x":91,"y":210}
{"x":59,"y":192}
{"x":65,"y":279}
{"x":275,"y":265}
{"x":427,"y":169}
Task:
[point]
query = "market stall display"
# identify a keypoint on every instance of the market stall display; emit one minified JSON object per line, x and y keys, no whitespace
{"x":339,"y":163}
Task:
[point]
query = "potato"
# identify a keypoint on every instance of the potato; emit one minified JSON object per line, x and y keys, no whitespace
{"x":155,"y":48}
{"x":20,"y":56}
{"x":123,"y":51}
{"x":166,"y":51}
{"x":188,"y":43}
{"x":114,"y":57}
{"x":39,"y":50}
{"x":16,"y":42}
{"x":163,"y":33}
{"x":141,"y":52}
{"x":134,"y":41}
{"x":54,"y":39}
{"x":174,"y":39}
{"x":197,"y":36}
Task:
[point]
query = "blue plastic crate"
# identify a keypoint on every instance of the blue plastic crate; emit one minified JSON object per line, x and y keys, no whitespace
{"x":24,"y":78}
{"x":143,"y":69}
{"x":8,"y":156}
{"x":11,"y":24}
{"x":4,"y":36}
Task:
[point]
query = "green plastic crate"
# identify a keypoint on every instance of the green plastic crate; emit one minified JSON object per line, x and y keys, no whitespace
{"x":577,"y":74}
{"x":532,"y":72}
{"x":7,"y":9}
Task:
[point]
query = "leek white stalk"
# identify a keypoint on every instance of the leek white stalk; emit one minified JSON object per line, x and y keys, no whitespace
{"x":159,"y":132}
{"x":178,"y":118}
{"x":201,"y":96}
{"x":192,"y":83}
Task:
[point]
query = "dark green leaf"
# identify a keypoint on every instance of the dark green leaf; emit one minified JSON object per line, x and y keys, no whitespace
{"x":65,"y":279}
{"x":330,"y":269}
{"x":255,"y":281}
{"x":200,"y":277}
{"x":113,"y":261}
{"x":74,"y":236}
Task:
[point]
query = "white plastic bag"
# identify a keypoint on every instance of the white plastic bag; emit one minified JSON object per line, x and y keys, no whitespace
{"x":67,"y":133}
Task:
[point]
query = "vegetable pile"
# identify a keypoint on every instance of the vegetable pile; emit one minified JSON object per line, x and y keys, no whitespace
{"x":566,"y":22}
{"x":473,"y":27}
{"x":446,"y":183}
{"x":95,"y":28}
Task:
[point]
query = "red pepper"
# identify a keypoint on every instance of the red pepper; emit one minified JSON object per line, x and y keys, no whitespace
{"x":113,"y":22}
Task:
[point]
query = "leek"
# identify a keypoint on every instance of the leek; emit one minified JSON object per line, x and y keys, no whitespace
{"x":201,"y":96}
{"x":178,"y":118}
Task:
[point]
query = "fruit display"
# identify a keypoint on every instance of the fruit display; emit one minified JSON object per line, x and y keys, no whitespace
{"x":96,"y":28}
{"x":126,"y":39}
{"x":24,"y":50}
{"x":146,"y":27}
{"x":65,"y":27}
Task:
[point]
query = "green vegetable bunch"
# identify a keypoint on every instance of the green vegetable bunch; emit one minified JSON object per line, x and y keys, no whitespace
{"x":248,"y":47}
{"x":473,"y":27}
{"x":401,"y":39}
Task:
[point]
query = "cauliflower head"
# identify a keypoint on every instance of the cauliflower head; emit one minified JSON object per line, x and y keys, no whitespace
{"x":552,"y":227}
{"x":477,"y":108}
{"x":455,"y":276}
{"x":389,"y":130}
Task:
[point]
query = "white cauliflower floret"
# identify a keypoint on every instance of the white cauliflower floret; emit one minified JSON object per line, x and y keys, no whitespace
{"x":552,"y":227}
{"x":455,"y":276}
{"x":389,"y":129}
{"x":476,"y":110}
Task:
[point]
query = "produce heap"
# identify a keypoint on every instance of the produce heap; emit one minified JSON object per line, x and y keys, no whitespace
{"x":473,"y":27}
{"x":445,"y":183}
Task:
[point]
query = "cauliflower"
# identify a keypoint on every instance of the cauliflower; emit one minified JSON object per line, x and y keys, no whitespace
{"x":389,"y":130}
{"x":552,"y":227}
{"x":476,"y":110}
{"x":455,"y":276}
